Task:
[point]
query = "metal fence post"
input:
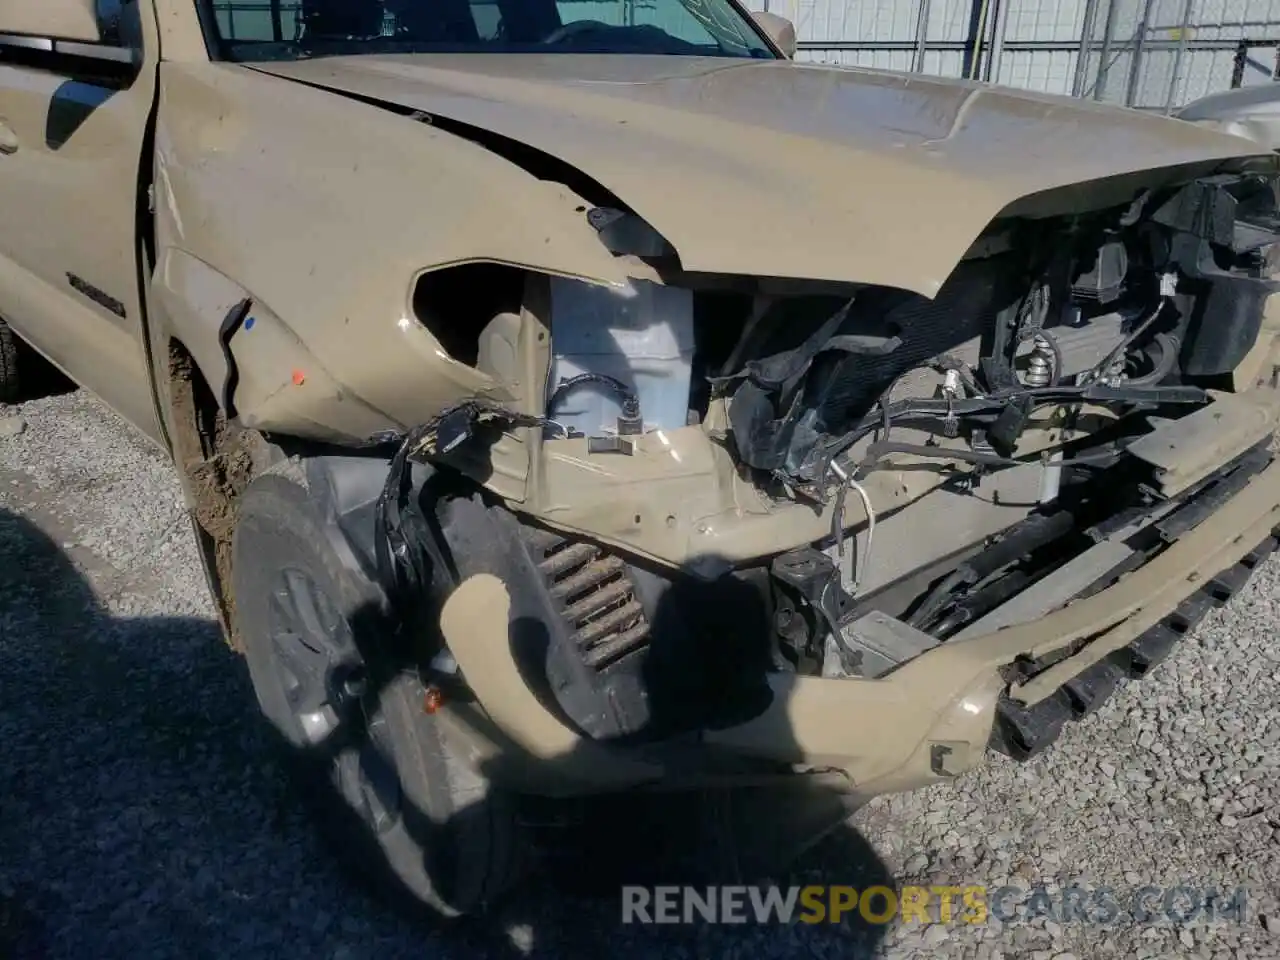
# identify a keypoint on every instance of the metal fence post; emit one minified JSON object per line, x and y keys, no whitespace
{"x":922,"y":34}
{"x":1086,"y":46}
{"x":1238,"y":63}
{"x":1135,"y":61}
{"x":1104,"y":54}
{"x":1183,"y":38}
{"x":991,"y":69}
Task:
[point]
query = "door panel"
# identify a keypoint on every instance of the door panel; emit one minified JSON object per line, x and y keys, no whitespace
{"x":71,"y":140}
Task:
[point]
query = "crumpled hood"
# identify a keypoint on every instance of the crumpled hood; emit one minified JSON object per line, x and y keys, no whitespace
{"x":774,"y":168}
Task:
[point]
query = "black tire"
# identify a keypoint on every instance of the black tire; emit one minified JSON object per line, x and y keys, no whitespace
{"x":385,"y":789}
{"x":10,"y":384}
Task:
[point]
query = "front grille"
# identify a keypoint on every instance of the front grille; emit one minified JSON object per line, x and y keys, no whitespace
{"x":594,"y":595}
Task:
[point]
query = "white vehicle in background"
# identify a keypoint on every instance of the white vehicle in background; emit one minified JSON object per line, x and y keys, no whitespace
{"x":1251,"y":112}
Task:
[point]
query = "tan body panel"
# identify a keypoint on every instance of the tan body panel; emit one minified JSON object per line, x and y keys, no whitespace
{"x":677,"y":140}
{"x":66,"y":19}
{"x":70,"y":195}
{"x":783,"y":169}
{"x":243,"y":161}
{"x":945,"y":697}
{"x":323,"y":211}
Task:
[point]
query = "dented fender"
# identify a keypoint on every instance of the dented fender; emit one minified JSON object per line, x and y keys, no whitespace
{"x":327,"y":226}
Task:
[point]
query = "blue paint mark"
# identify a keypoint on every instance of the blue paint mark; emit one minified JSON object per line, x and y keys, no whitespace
{"x":249,"y":322}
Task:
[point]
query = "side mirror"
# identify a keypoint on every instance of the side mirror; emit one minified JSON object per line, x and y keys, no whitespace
{"x":778,"y":29}
{"x":56,"y":19}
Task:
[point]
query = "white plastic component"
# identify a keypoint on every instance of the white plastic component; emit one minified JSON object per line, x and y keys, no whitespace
{"x":645,"y":341}
{"x":499,"y":348}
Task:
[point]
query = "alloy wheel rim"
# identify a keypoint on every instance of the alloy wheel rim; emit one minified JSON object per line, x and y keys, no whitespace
{"x":327,"y":693}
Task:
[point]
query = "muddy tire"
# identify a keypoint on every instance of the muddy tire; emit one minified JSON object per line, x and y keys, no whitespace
{"x":371,"y":765}
{"x":10,"y":385}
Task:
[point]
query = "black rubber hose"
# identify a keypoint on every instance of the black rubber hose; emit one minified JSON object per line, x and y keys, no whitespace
{"x":1163,"y":367}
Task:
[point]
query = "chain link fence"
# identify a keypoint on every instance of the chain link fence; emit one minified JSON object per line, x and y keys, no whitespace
{"x":1148,"y":54}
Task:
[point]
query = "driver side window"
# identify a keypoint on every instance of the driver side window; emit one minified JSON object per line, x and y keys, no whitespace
{"x":120,"y":22}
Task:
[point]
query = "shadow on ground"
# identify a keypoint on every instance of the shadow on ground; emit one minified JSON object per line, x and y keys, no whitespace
{"x":141,"y":815}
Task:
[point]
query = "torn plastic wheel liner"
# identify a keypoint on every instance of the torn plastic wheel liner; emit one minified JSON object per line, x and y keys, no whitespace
{"x":406,"y":548}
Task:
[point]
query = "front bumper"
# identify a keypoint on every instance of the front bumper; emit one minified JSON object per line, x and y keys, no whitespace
{"x":927,"y":721}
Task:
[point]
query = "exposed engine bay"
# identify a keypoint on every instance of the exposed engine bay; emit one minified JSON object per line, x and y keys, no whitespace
{"x":705,"y":479}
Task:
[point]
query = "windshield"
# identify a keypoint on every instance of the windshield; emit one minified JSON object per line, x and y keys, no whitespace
{"x":294,"y":29}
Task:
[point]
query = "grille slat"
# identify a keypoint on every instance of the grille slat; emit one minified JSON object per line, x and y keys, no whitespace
{"x":619,"y":646}
{"x":597,"y":601}
{"x":623,"y":618}
{"x":557,"y":564}
{"x":590,"y":575}
{"x":595,"y":596}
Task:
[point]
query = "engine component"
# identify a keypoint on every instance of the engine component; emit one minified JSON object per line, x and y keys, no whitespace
{"x":630,"y":420}
{"x":1104,"y":281}
{"x":1166,"y":347}
{"x":1217,"y":242}
{"x":814,"y":579}
{"x":1084,"y":345}
{"x":873,"y":645}
{"x":1111,"y":368}
{"x":802,"y":392}
{"x":1051,"y":478}
{"x":644,"y":341}
{"x":952,"y":389}
{"x":1040,"y":366}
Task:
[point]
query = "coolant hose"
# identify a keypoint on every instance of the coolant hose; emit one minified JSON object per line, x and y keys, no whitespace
{"x":1163,"y":367}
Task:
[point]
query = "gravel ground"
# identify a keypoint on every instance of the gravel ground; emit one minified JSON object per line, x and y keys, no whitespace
{"x":139,"y":816}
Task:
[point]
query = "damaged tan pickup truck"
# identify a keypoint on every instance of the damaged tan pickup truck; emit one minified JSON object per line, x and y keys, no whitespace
{"x":572,"y":405}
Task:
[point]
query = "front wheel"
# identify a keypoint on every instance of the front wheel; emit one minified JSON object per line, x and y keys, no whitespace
{"x":385,"y":788}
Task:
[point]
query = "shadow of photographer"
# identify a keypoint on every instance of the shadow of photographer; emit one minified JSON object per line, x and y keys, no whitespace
{"x":141,"y":812}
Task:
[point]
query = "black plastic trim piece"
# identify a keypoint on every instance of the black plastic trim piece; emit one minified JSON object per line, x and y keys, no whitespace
{"x":1022,"y":732}
{"x":97,"y":295}
{"x":226,"y":330}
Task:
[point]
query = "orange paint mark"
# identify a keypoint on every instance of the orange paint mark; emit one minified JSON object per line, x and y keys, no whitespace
{"x":299,"y":378}
{"x":433,"y":699}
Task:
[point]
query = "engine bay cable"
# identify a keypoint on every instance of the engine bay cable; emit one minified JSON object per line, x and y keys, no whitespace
{"x":879,"y":449}
{"x":978,"y":408}
{"x":1164,"y":366}
{"x":620,"y":389}
{"x":1168,"y":287}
